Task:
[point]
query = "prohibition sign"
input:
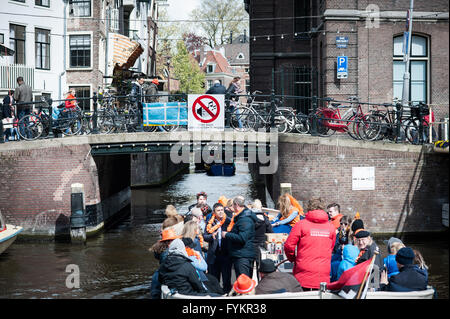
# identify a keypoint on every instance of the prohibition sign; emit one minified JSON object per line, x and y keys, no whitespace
{"x":202,"y":101}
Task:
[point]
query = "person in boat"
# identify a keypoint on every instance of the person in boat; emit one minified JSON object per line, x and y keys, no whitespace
{"x":290,"y":213}
{"x":217,"y":257}
{"x":241,"y":235}
{"x":334,"y":214}
{"x":356,"y":224}
{"x":408,"y":278}
{"x":178,"y":273}
{"x":273,"y":281}
{"x":173,"y":220}
{"x":419,"y":262}
{"x":262,"y":226}
{"x":309,"y":246}
{"x":210,"y":282}
{"x":389,"y":262}
{"x":160,"y":251}
{"x":349,"y":255}
{"x":244,"y":285}
{"x":202,"y":197}
{"x":367,"y":248}
{"x":192,"y":230}
{"x":342,"y":239}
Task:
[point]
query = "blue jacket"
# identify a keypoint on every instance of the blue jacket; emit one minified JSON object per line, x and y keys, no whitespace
{"x":349,"y":255}
{"x":242,"y":236}
{"x":391,"y":265}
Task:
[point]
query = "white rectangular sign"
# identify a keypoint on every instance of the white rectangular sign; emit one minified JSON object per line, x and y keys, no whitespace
{"x":206,"y":112}
{"x":363,"y":178}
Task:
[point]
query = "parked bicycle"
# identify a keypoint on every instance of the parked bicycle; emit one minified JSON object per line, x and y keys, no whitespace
{"x":37,"y":124}
{"x":254,"y":115}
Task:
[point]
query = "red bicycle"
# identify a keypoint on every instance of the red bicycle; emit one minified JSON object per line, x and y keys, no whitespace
{"x":330,"y":120}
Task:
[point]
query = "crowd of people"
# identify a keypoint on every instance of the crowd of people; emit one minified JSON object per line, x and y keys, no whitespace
{"x":199,"y":249}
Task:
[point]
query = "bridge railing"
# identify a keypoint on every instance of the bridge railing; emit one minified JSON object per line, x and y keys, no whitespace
{"x":123,"y":113}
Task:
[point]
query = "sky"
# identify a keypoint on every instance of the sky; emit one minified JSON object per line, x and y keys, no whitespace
{"x":180,"y":9}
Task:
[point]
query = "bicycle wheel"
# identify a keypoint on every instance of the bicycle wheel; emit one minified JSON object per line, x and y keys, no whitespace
{"x":412,"y":132}
{"x":105,"y":121}
{"x":301,"y":124}
{"x":243,"y":119}
{"x":73,"y":124}
{"x":30,"y":127}
{"x":369,"y":127}
{"x":170,"y":128}
{"x":322,"y":128}
{"x":284,"y":120}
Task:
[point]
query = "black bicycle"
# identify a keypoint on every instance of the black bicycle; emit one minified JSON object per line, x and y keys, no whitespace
{"x":69,"y":121}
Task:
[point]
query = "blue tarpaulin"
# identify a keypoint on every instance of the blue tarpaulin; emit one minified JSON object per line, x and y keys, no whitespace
{"x":171,"y":113}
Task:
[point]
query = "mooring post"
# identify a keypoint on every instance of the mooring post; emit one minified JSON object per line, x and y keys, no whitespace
{"x":77,"y":217}
{"x":285,"y":188}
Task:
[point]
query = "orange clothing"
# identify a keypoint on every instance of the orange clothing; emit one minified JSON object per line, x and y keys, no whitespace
{"x":70,"y":103}
{"x":336,"y":221}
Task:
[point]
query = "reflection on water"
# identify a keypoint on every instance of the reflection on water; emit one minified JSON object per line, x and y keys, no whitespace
{"x":117,"y":264}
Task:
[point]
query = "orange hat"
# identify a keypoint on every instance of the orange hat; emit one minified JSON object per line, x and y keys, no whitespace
{"x":169,"y":234}
{"x":223,"y":200}
{"x":155,"y":81}
{"x":244,"y":284}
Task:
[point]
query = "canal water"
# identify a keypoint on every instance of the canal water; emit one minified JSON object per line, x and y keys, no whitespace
{"x":117,"y":263}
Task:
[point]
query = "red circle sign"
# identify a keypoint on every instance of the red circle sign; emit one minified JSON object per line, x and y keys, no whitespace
{"x":199,"y":102}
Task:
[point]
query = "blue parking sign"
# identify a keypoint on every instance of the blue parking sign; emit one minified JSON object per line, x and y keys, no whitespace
{"x":342,"y":67}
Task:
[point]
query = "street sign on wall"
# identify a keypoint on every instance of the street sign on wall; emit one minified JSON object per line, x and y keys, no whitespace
{"x":363,"y":178}
{"x":206,"y":112}
{"x":342,"y":67}
{"x":341,"y":42}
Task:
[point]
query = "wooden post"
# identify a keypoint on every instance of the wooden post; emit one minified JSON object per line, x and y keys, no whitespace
{"x":77,"y":217}
{"x":285,"y":188}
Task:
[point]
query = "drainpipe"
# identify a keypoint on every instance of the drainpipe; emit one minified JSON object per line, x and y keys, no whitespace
{"x":108,"y":13}
{"x":64,"y":51}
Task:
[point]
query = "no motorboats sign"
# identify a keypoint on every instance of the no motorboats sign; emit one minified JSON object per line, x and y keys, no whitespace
{"x":206,"y":112}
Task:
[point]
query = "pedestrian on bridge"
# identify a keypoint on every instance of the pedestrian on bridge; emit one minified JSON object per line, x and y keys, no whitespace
{"x":217,"y":88}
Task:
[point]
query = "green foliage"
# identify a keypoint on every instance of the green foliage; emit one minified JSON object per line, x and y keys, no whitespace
{"x":187,"y":71}
{"x":218,"y":18}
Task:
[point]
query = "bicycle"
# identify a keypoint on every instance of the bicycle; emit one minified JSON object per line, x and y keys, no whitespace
{"x":251,"y":119}
{"x":330,"y":120}
{"x":34,"y":125}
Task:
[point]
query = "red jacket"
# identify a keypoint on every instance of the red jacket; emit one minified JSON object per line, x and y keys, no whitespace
{"x":314,"y":238}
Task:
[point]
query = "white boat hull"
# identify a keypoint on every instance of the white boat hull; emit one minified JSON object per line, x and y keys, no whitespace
{"x":423,"y":294}
{"x":8,"y":236}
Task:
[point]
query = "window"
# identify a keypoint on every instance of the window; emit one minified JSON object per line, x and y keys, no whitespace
{"x":210,"y":83}
{"x":80,"y":8}
{"x":210,"y":68}
{"x":2,"y":38}
{"x":23,"y":1}
{"x":240,"y":56}
{"x":247,"y":85}
{"x":80,"y":93}
{"x":17,"y":42}
{"x":80,"y":51}
{"x":42,"y":3}
{"x":418,"y":87}
{"x":42,"y":41}
{"x":301,"y":20}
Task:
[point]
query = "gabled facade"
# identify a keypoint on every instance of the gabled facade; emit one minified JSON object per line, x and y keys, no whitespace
{"x":214,"y":65}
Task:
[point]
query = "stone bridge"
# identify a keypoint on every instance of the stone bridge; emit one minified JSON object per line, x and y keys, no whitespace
{"x":410,"y":186}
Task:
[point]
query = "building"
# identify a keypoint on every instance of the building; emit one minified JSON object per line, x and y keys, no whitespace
{"x":215,"y":66}
{"x":106,"y":39}
{"x":237,"y":55}
{"x":298,"y":42}
{"x":33,"y":29}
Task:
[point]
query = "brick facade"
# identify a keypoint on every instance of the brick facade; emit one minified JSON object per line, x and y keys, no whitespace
{"x":410,"y":184}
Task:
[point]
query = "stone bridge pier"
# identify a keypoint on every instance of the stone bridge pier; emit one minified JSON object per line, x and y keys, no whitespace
{"x":36,"y":178}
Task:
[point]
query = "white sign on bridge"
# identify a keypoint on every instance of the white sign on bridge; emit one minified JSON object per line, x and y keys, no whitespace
{"x":206,"y":112}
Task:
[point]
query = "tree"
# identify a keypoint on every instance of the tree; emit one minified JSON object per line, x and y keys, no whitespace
{"x":193,"y":41}
{"x":218,"y":18}
{"x":187,"y":71}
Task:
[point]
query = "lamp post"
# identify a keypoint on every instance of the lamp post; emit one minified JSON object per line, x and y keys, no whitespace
{"x":168,"y":73}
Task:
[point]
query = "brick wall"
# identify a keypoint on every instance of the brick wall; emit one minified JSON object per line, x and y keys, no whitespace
{"x":410,"y":186}
{"x":35,"y":185}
